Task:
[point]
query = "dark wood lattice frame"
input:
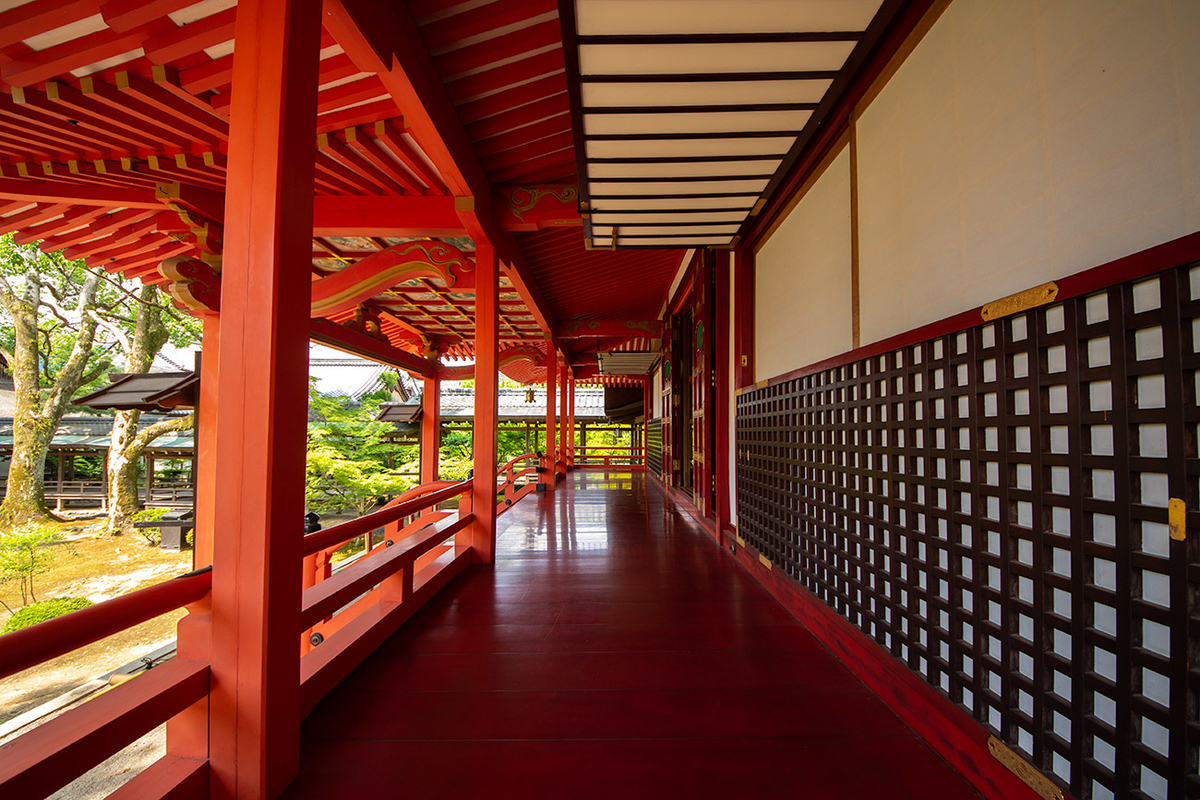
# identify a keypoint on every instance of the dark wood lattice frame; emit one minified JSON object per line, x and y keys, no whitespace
{"x":991,"y":507}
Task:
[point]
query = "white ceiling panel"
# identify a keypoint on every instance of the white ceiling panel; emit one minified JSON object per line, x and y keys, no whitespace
{"x":678,"y":215}
{"x":671,"y":203}
{"x":601,"y":17}
{"x":675,"y":59}
{"x":702,"y":93}
{"x":718,"y":122}
{"x":683,"y":169}
{"x":601,"y":188}
{"x":667,"y":148}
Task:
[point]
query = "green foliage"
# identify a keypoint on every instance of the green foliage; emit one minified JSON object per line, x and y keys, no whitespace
{"x":43,"y":610}
{"x":152,"y":535}
{"x":25,"y":553}
{"x":351,"y":463}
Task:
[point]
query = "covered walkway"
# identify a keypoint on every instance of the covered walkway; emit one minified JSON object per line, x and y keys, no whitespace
{"x":612,"y":650}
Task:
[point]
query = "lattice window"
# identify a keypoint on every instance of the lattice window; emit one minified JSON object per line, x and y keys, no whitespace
{"x":654,"y":446}
{"x":991,"y":507}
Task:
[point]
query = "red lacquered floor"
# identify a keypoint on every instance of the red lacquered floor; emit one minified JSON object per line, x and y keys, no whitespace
{"x":613,"y":651}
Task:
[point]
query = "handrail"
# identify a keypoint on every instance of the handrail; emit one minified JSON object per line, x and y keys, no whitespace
{"x":338,"y":534}
{"x":418,"y":491}
{"x":515,"y":460}
{"x":31,"y":646}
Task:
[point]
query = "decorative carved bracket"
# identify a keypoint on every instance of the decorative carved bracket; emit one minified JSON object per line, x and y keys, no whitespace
{"x":193,"y":284}
{"x":346,"y":289}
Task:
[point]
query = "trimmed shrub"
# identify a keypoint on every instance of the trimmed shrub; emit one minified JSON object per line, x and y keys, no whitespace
{"x":43,"y":610}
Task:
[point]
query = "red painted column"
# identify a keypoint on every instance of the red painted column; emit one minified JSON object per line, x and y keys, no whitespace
{"x":563,"y":433}
{"x":722,"y":391}
{"x":551,"y":423}
{"x":262,"y":400}
{"x":571,"y":423}
{"x":487,"y":387}
{"x":431,"y":424}
{"x":187,"y":732}
{"x":647,"y":412}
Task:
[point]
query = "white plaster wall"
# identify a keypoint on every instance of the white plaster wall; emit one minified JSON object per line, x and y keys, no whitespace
{"x":802,"y":309}
{"x":656,"y":393}
{"x":1023,"y":141}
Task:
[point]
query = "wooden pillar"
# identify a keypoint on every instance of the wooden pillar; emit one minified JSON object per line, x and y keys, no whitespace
{"x":431,"y":427}
{"x":551,"y":424}
{"x":487,"y":387}
{"x":563,"y":432}
{"x":262,"y":400}
{"x":723,"y":390}
{"x":571,"y":423}
{"x":149,"y":488}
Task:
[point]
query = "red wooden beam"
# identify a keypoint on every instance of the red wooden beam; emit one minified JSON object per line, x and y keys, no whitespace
{"x":262,"y":400}
{"x":59,"y":59}
{"x":27,"y":21}
{"x":379,"y":216}
{"x":191,"y":38}
{"x":55,"y":192}
{"x":125,"y":15}
{"x":342,"y":338}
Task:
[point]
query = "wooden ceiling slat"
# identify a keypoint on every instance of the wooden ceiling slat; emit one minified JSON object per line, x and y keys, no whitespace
{"x":509,"y":99}
{"x":511,"y":46}
{"x":446,"y":32}
{"x":369,"y":149}
{"x":529,"y":133}
{"x":468,"y":88}
{"x":517,"y":117}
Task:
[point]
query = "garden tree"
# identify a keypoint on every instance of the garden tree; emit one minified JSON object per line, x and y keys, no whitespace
{"x":153,"y":323}
{"x":53,"y":309}
{"x":351,"y":463}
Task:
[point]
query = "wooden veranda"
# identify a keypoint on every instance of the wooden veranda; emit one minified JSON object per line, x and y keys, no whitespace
{"x":909,"y":291}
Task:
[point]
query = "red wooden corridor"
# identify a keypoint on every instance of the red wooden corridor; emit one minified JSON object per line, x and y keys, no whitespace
{"x":613,"y":650}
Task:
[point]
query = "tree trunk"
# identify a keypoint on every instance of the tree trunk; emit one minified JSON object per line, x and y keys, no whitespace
{"x":122,"y":473}
{"x":24,"y":497}
{"x":149,"y":335}
{"x":35,"y":420}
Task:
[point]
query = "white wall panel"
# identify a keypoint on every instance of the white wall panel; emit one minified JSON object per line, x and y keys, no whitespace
{"x":1023,"y":141}
{"x":802,"y":307}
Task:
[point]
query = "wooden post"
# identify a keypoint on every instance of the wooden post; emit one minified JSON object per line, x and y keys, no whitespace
{"x":431,"y":428}
{"x":551,"y":473}
{"x":487,"y":387}
{"x":571,"y":423}
{"x":722,"y":333}
{"x":262,"y":400}
{"x":149,"y":489}
{"x":562,"y":417}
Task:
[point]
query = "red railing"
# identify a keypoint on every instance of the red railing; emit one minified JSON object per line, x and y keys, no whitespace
{"x":52,"y":755}
{"x":515,"y":481}
{"x":610,"y":456}
{"x":344,"y":615}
